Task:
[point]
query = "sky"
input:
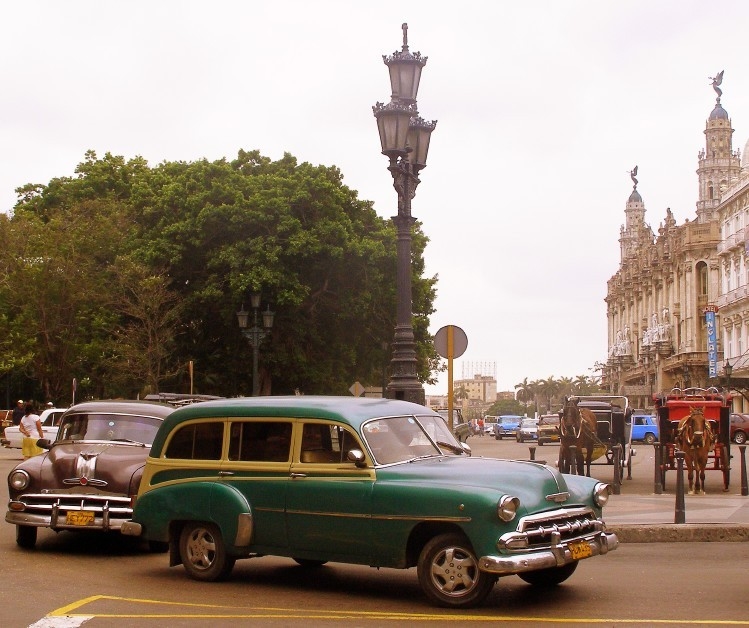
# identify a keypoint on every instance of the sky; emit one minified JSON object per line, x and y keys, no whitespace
{"x":543,"y":108}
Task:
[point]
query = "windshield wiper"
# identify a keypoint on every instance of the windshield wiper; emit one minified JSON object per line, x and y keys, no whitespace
{"x":127,"y":440}
{"x":452,"y":448}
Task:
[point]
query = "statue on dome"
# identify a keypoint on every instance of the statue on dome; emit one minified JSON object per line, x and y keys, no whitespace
{"x":633,"y":174}
{"x":717,"y":80}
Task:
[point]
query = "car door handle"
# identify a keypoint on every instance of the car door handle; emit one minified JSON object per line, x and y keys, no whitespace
{"x":225,"y":473}
{"x":298,"y":475}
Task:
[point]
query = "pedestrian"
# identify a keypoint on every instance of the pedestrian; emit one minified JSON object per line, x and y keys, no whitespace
{"x":481,"y":427}
{"x":31,"y":428}
{"x":18,"y":412}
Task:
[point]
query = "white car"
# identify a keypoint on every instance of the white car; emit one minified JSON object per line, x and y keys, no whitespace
{"x":50,"y":421}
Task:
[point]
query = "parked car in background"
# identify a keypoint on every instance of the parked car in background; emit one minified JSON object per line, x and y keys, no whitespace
{"x":461,"y":428}
{"x":528,"y":430}
{"x":739,"y":428}
{"x":644,"y":428}
{"x":506,"y":425}
{"x":489,"y":424}
{"x":378,"y":482}
{"x":90,"y":473}
{"x":548,"y":429}
{"x":50,"y":419}
{"x":6,"y":418}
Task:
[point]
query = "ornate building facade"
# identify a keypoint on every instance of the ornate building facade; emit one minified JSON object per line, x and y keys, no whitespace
{"x":659,"y":336}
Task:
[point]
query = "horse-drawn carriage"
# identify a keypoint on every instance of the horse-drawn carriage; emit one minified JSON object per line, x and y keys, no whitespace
{"x":697,"y":422}
{"x":596,"y":425}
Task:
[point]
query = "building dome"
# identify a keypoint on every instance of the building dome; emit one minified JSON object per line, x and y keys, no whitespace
{"x":745,"y":156}
{"x":635,"y":197}
{"x":718,"y":113}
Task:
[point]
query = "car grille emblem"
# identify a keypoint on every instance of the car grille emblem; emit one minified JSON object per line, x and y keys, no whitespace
{"x":85,"y":469}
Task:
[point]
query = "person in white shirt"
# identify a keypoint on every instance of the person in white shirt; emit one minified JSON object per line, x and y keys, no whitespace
{"x":31,"y":428}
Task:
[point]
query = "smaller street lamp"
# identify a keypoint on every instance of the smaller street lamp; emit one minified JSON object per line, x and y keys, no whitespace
{"x":728,"y":370}
{"x":255,"y":334}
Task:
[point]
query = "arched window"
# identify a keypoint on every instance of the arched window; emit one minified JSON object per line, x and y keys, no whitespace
{"x":702,"y":279}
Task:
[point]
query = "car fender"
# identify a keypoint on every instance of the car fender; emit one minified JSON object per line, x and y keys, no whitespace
{"x":213,"y":502}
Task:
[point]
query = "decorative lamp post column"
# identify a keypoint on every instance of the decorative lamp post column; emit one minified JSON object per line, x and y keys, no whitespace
{"x":255,"y":334}
{"x":404,"y":137}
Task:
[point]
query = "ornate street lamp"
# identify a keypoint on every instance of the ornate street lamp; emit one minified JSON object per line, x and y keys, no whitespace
{"x":728,"y":370}
{"x":404,"y":138}
{"x":255,"y":334}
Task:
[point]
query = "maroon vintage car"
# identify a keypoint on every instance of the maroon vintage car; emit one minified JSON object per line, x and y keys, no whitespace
{"x":90,"y":474}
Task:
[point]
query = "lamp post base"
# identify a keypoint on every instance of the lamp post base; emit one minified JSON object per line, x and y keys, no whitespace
{"x":404,"y":384}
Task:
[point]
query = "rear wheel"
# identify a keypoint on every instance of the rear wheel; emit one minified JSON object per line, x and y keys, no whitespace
{"x":739,"y":437}
{"x":449,"y":573}
{"x":203,"y":553}
{"x":26,"y":536}
{"x":549,"y":577}
{"x":649,"y":438}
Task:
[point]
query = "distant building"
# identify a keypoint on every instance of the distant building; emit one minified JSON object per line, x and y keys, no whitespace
{"x":481,"y":388}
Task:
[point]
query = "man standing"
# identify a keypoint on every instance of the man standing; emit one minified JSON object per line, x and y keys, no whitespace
{"x":18,"y":412}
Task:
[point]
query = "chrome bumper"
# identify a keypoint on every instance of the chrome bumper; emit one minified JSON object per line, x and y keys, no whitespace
{"x":50,"y":511}
{"x":557,"y":555}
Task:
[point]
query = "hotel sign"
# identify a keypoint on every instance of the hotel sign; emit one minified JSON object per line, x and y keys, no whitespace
{"x":712,"y":341}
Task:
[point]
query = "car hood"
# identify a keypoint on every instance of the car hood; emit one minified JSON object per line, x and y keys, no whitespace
{"x":526,"y":480}
{"x":103,"y":466}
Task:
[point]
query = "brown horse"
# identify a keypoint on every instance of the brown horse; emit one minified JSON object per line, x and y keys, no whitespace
{"x":695,"y":438}
{"x":577,"y":427}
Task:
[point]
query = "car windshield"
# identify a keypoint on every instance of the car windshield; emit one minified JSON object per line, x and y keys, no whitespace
{"x":529,"y":423}
{"x":404,"y":438}
{"x":109,"y":427}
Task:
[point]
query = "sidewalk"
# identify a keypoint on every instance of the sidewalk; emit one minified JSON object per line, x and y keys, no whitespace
{"x":640,"y":518}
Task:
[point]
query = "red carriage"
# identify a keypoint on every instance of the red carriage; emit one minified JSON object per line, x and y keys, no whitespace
{"x":675,"y":407}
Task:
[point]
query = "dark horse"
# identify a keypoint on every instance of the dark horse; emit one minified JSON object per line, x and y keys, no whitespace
{"x":695,"y":438}
{"x":577,"y":427}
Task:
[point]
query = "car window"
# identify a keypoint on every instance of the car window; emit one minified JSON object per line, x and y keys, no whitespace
{"x":197,"y":441}
{"x":326,"y":443}
{"x":109,"y":427}
{"x":260,"y":441}
{"x":397,"y":439}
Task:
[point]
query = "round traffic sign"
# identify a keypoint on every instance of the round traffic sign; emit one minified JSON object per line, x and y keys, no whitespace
{"x":450,"y":341}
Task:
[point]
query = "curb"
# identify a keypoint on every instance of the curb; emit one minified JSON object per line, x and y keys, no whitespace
{"x":680,"y":532}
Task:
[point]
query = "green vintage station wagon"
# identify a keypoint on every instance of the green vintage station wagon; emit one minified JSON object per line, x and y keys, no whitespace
{"x":368,"y":481}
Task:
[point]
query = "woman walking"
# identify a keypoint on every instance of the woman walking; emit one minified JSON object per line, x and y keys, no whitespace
{"x":31,"y":428}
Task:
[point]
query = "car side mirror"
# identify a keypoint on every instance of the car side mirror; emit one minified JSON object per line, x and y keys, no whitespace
{"x":44,"y":443}
{"x":357,"y":457}
{"x":466,"y":448}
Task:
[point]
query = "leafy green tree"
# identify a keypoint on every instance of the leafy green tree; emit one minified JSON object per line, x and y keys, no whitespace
{"x":506,"y":406}
{"x":154,"y":262}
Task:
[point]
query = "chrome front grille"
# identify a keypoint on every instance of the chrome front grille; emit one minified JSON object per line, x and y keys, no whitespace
{"x":544,"y":530}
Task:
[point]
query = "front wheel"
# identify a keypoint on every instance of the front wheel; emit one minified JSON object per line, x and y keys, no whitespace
{"x":549,"y":577}
{"x":649,"y":438}
{"x":449,"y":573}
{"x":203,"y":554}
{"x":26,"y":536}
{"x":739,"y":438}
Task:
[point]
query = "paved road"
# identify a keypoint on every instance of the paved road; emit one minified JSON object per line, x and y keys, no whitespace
{"x":109,"y":580}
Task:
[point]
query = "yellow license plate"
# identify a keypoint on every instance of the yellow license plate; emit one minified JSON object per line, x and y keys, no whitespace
{"x":80,"y":518}
{"x":580,"y":549}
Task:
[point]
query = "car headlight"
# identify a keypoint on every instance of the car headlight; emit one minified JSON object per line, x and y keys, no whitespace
{"x":601,"y":494}
{"x":19,"y":480}
{"x":507,"y":507}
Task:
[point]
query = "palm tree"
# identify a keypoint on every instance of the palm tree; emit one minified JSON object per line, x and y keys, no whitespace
{"x":524,"y":392}
{"x":549,"y":388}
{"x":566,"y":386}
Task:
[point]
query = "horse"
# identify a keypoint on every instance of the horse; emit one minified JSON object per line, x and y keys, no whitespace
{"x":695,"y":438}
{"x":577,"y":427}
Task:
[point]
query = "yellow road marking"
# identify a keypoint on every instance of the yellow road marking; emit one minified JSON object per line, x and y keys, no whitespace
{"x":244,"y":612}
